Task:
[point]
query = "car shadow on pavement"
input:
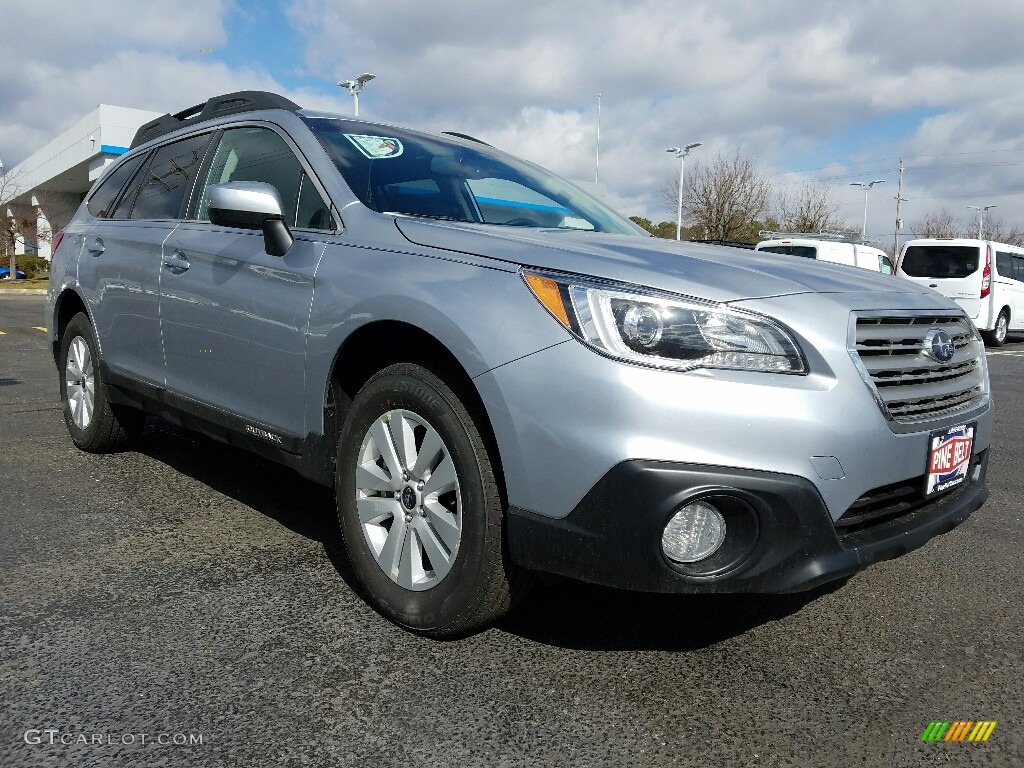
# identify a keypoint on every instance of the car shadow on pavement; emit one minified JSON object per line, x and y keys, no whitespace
{"x":587,"y":617}
{"x":269,"y":488}
{"x":566,"y":614}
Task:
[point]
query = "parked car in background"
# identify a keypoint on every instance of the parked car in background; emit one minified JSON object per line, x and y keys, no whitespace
{"x":499,"y":375}
{"x":5,"y":274}
{"x":830,"y":249}
{"x":984,"y":277}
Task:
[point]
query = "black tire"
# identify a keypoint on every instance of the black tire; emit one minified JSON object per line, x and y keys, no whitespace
{"x":110,"y":428}
{"x":480,"y":584}
{"x":997,"y":336}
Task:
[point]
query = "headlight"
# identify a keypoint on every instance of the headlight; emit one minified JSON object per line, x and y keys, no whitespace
{"x":651,"y":328}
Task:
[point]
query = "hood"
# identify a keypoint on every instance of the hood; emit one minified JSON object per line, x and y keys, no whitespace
{"x":715,"y":273}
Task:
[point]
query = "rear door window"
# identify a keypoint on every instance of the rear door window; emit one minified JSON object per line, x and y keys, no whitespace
{"x":161,"y":188}
{"x":1004,"y":264}
{"x":102,"y":200}
{"x":941,"y":261}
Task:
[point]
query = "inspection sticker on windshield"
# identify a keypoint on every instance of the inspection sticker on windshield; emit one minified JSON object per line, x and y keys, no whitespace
{"x":376,"y":147}
{"x":949,"y":458}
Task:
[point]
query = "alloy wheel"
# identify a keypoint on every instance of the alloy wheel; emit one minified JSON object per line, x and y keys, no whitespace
{"x":408,"y":499}
{"x":80,"y":379}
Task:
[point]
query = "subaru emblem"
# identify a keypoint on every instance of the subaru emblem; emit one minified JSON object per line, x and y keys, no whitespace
{"x":939,"y":346}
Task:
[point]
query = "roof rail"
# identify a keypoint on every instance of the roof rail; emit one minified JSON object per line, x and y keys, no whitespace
{"x":218,"y":106}
{"x":730,"y":243}
{"x":465,"y":136}
{"x":838,"y":237}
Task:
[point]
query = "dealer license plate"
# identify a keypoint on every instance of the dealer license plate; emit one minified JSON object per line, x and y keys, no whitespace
{"x":949,"y":458}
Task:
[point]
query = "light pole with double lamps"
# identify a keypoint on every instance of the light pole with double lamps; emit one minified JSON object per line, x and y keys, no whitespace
{"x":681,"y":153}
{"x":866,"y":186}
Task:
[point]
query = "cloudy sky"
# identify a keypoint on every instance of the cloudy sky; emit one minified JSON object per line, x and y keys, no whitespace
{"x":828,"y":91}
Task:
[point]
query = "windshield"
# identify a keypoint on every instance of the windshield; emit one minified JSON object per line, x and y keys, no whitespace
{"x":950,"y":261}
{"x":392,"y":170}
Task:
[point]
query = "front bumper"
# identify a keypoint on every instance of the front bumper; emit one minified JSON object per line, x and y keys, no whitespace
{"x":613,"y":536}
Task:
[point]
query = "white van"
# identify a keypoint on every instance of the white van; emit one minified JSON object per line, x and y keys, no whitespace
{"x":834,"y":251}
{"x":984,"y":277}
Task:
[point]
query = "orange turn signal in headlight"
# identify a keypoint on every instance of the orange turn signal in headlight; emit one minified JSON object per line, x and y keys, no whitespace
{"x":549,"y":294}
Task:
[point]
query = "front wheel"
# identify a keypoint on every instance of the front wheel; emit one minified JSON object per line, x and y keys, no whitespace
{"x":419,"y":506}
{"x":997,"y":336}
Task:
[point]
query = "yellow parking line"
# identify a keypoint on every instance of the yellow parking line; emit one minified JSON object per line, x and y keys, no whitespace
{"x":3,"y":333}
{"x":39,"y":328}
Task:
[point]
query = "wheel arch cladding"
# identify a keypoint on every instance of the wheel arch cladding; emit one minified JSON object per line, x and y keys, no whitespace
{"x":379,"y":344}
{"x":68,"y":304}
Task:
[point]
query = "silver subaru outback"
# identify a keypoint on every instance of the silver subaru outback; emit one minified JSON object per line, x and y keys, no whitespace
{"x":499,"y":375}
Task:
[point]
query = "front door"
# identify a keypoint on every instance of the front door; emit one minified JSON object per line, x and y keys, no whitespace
{"x":234,"y":320}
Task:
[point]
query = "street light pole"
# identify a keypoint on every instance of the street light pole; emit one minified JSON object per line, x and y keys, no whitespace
{"x":681,"y":153}
{"x":355,"y":87}
{"x":866,"y":186}
{"x":981,"y":214}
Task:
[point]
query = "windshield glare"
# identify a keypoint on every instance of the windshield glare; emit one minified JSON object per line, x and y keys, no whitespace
{"x":392,"y":170}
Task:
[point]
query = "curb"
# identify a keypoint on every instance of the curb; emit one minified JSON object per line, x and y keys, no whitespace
{"x":22,"y":291}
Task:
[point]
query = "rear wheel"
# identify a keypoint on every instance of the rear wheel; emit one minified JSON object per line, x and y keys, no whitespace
{"x":997,"y":336}
{"x":419,"y":507}
{"x":95,"y":424}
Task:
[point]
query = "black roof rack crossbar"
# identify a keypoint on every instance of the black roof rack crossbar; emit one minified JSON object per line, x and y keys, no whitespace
{"x":218,"y":106}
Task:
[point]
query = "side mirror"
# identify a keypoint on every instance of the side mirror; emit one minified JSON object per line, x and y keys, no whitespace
{"x":250,"y":205}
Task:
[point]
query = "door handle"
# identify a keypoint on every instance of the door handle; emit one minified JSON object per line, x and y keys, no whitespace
{"x":176,"y":262}
{"x":96,"y":247}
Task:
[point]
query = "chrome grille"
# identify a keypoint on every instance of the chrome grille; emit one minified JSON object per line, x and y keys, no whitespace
{"x":911,"y":386}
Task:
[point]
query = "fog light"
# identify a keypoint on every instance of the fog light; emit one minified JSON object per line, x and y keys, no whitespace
{"x":695,"y":532}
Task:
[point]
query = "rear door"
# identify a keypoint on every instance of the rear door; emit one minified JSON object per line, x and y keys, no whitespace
{"x":120,"y":264}
{"x":952,"y":269}
{"x":234,"y":319}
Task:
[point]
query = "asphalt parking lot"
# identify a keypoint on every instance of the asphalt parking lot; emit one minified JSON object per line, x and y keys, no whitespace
{"x":190,"y":592}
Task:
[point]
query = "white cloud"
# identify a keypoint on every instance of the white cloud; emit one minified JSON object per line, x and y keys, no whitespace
{"x":784,"y":80}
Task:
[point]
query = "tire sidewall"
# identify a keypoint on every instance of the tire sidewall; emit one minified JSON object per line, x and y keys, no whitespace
{"x":401,"y":387}
{"x":79,"y":327}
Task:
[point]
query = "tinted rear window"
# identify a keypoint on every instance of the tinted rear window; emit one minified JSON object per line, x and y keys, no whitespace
{"x":1004,"y":264}
{"x":806,"y":251}
{"x":941,"y":261}
{"x":168,"y":178}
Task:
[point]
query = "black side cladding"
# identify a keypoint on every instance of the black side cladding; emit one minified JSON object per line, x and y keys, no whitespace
{"x":218,"y":106}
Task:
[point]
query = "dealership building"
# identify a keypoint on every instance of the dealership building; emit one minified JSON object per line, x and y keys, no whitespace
{"x":52,"y":182}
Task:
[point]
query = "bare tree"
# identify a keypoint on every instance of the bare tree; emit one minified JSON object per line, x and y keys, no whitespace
{"x":810,"y":209}
{"x":723,"y":197}
{"x":938,"y":224}
{"x":11,"y":228}
{"x":995,"y":228}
